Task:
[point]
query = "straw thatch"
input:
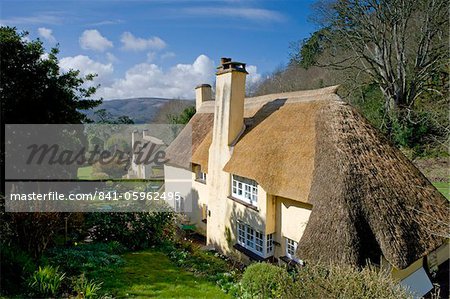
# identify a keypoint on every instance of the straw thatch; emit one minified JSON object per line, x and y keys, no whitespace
{"x":368,"y":198}
{"x":255,"y":110}
{"x":278,"y":147}
{"x":179,"y":152}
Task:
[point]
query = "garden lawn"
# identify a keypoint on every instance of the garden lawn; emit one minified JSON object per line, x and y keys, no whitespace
{"x":151,"y":274}
{"x":85,"y":173}
{"x":443,"y":187}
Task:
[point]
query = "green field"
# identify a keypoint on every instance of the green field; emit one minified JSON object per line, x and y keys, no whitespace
{"x":443,"y":187}
{"x":151,"y":274}
{"x":85,"y":173}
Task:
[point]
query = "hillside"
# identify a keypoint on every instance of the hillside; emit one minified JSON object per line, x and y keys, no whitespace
{"x":142,"y":110}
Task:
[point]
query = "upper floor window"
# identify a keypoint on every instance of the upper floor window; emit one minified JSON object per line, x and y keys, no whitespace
{"x":200,"y":175}
{"x":244,"y":189}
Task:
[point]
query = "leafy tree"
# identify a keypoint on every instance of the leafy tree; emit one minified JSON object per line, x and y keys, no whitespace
{"x":401,"y":45}
{"x":104,"y":117}
{"x":33,"y":88}
{"x":183,"y":118}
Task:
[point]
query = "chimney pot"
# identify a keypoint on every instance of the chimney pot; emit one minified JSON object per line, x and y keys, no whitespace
{"x":227,"y":65}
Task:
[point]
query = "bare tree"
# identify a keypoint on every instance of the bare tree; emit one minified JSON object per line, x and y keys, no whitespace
{"x":401,"y":44}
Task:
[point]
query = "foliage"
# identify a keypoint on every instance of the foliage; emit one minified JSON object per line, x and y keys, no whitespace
{"x":198,"y":261}
{"x":86,"y":288}
{"x":263,"y":280}
{"x":104,"y":117}
{"x":85,"y":258}
{"x":34,"y":89}
{"x":46,"y":281}
{"x":134,"y":230}
{"x":399,"y":84}
{"x":16,"y":267}
{"x":308,"y":51}
{"x":34,"y":232}
{"x":114,"y":168}
{"x":335,"y":281}
{"x":400,"y":45}
{"x":229,"y":283}
{"x":183,"y":118}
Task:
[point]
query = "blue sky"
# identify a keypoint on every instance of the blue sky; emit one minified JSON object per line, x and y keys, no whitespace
{"x":162,"y":48}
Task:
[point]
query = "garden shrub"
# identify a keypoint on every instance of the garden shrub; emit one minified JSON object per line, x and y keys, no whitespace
{"x":17,"y":266}
{"x":134,"y":230}
{"x":46,"y":281}
{"x":263,"y":280}
{"x":338,"y":281}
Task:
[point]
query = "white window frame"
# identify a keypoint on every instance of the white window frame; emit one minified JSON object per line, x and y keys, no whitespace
{"x":254,"y":240}
{"x":200,"y":175}
{"x":244,"y":189}
{"x":291,"y":249}
{"x":269,"y":244}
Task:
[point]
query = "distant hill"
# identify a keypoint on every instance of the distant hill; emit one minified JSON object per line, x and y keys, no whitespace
{"x":143,"y":110}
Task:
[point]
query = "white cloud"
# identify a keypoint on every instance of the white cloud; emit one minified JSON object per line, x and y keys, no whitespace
{"x":47,"y":34}
{"x":88,"y":66}
{"x":179,"y":81}
{"x":93,"y":40}
{"x":53,"y":18}
{"x":168,"y":55}
{"x":150,"y":80}
{"x":107,"y":22}
{"x":253,"y":76}
{"x":130,"y":42}
{"x":255,"y":14}
{"x":151,"y":56}
{"x":111,"y":57}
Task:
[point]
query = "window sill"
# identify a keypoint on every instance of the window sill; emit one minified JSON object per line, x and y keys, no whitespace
{"x":243,"y":203}
{"x":253,"y":256}
{"x":289,"y":261}
{"x":200,"y":181}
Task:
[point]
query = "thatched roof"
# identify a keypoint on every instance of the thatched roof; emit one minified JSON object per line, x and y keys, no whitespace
{"x":179,"y":152}
{"x":368,"y":198}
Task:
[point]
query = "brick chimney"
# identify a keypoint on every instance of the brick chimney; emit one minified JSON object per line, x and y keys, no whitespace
{"x":202,"y":94}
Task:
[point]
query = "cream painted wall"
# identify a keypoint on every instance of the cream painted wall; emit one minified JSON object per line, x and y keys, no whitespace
{"x":291,"y":220}
{"x":196,"y":193}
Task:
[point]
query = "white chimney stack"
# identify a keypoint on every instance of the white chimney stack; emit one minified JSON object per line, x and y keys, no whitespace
{"x":202,"y":94}
{"x":230,"y":95}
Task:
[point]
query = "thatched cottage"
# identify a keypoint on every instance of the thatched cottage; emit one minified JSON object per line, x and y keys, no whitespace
{"x":144,"y":147}
{"x":303,"y":176}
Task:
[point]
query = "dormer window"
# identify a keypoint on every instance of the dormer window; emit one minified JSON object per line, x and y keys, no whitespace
{"x":200,"y":176}
{"x":244,"y":189}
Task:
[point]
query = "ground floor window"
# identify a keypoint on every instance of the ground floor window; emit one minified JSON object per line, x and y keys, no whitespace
{"x":291,"y":248}
{"x":254,"y":240}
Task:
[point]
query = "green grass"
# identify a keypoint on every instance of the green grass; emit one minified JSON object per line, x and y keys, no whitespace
{"x":150,"y":274}
{"x":85,"y":173}
{"x":443,"y":187}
